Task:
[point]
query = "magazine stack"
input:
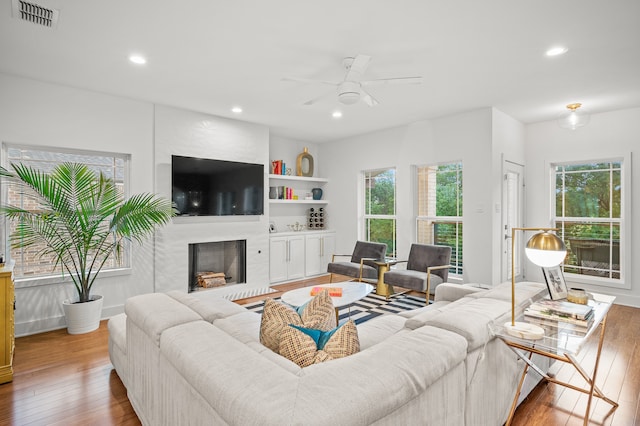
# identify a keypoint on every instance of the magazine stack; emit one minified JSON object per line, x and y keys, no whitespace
{"x":553,"y":312}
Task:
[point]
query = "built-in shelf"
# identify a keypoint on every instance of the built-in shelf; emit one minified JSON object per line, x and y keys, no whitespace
{"x":299,"y":178}
{"x":298,"y":202}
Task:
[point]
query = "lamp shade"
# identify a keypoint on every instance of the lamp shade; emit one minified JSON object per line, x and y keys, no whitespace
{"x":546,"y":249}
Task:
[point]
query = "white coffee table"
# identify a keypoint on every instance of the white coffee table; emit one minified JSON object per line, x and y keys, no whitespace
{"x":351,"y":292}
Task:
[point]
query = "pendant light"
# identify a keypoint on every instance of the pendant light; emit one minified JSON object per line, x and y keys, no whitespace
{"x":573,"y":118}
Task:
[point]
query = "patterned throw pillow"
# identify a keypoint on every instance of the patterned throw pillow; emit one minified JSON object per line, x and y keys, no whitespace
{"x":306,"y":346}
{"x":318,"y":313}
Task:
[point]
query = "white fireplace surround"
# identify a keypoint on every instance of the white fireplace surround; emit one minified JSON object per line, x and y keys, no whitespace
{"x":180,"y":132}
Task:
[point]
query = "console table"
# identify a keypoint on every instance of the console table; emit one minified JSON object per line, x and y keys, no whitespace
{"x":561,"y":342}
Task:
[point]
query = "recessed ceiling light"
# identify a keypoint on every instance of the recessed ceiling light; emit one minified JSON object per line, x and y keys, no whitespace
{"x":138,"y":60}
{"x":336,"y":114}
{"x":555,"y":51}
{"x":236,"y":109}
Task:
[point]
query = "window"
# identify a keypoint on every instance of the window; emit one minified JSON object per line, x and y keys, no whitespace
{"x":28,"y":262}
{"x":439,"y":209}
{"x":380,"y":208}
{"x":588,"y":214}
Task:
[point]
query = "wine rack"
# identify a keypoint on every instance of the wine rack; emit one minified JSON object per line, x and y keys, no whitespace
{"x":317,"y":218}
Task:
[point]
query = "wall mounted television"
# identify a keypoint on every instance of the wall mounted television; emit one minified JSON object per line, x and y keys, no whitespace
{"x":206,"y":187}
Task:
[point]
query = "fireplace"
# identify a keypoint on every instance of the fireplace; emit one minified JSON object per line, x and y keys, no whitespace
{"x":217,"y":264}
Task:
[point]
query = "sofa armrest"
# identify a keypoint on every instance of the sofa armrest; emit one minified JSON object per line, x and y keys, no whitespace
{"x":452,"y":292}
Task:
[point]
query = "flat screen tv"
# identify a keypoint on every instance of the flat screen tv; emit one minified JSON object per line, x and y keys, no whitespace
{"x":206,"y":187}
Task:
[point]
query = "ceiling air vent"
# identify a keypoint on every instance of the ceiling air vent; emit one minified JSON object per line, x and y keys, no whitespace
{"x":35,"y":13}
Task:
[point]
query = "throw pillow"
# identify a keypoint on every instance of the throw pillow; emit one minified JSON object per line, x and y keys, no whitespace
{"x":306,"y":346}
{"x":318,"y":313}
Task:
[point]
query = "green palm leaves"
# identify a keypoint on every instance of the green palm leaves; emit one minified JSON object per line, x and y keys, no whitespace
{"x":81,"y":218}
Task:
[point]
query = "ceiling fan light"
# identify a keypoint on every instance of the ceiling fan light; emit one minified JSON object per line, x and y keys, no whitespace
{"x":348,"y":98}
{"x":573,"y":118}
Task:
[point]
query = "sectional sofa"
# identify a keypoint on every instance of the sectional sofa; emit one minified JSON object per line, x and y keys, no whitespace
{"x":196,"y":359}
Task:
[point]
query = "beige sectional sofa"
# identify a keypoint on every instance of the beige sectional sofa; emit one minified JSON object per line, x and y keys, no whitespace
{"x":196,"y":359}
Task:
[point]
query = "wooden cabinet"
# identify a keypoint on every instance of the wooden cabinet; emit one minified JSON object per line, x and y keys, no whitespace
{"x":7,"y":336}
{"x":286,"y":258}
{"x":319,"y":247}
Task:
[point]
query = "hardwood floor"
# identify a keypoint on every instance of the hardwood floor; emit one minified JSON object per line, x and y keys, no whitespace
{"x":62,"y":379}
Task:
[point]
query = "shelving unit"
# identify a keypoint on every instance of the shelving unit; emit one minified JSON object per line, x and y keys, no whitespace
{"x":306,"y":183}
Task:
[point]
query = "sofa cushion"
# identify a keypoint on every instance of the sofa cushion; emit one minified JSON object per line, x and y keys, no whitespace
{"x":143,"y":310}
{"x":318,"y":313}
{"x":208,"y":304}
{"x":307,"y":346}
{"x":378,"y":329}
{"x":415,"y":280}
{"x":471,"y":320}
{"x":351,"y":269}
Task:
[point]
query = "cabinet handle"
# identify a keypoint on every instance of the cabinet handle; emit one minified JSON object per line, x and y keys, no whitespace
{"x":288,"y":251}
{"x":321,"y":246}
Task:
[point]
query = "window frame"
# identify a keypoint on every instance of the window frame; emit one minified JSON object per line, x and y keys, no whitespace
{"x":364,"y":216}
{"x":625,"y":214}
{"x":456,"y":271}
{"x":58,"y":277}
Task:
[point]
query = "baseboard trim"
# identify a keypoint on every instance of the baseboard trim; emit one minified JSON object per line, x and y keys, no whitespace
{"x":56,"y":323}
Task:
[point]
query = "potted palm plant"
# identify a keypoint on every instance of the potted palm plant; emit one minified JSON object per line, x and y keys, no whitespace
{"x":81,"y":220}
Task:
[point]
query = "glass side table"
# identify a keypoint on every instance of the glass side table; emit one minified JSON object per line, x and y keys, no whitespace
{"x":561,"y":342}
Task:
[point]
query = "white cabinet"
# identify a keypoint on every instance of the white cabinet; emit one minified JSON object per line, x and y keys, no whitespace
{"x":319,"y":247}
{"x":286,"y":258}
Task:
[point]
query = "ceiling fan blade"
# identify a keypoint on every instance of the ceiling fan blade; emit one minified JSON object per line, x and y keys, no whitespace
{"x":398,"y":80}
{"x":309,"y":81}
{"x":357,"y":68}
{"x":318,"y":98}
{"x":367,"y":98}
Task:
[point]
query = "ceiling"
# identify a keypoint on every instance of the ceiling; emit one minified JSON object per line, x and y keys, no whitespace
{"x":210,"y":55}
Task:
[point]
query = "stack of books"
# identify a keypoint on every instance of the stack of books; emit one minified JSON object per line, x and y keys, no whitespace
{"x":551,"y":312}
{"x":333,"y":291}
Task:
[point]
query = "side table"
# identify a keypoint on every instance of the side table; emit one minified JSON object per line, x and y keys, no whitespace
{"x":561,"y":342}
{"x":383,"y":289}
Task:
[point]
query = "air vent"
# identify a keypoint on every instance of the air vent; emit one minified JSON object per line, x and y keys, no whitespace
{"x":35,"y":13}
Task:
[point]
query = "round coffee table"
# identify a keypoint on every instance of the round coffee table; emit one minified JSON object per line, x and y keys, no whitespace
{"x":351,"y":292}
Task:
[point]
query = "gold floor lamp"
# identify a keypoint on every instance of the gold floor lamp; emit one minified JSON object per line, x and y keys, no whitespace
{"x":543,"y":249}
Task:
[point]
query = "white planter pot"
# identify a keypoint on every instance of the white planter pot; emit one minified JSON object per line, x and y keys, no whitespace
{"x":83,"y":317}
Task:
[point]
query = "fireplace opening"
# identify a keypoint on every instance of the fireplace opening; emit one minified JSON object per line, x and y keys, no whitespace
{"x":217,"y":264}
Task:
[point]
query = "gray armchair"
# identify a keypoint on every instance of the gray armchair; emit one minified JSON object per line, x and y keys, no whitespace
{"x":427,"y":267}
{"x":360,"y":265}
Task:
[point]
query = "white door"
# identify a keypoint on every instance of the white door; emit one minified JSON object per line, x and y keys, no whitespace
{"x":313,"y":255}
{"x":277,"y":259}
{"x":295,"y":265}
{"x":512,"y":217}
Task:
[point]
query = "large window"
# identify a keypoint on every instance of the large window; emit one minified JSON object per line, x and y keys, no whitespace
{"x":28,"y":262}
{"x":589,"y":214}
{"x":380,"y":207}
{"x":439,"y":209}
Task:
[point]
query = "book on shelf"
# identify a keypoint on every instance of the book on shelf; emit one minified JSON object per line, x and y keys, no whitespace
{"x":562,"y":308}
{"x":553,"y":316}
{"x":559,"y":325}
{"x":333,"y":291}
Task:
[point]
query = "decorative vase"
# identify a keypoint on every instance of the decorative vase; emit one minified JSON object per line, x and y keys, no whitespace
{"x":304,"y":163}
{"x":82,"y":317}
{"x":317,"y":193}
{"x":273,"y":193}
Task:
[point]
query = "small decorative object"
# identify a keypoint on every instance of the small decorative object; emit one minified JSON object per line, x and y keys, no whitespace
{"x":555,"y":282}
{"x":308,"y":196}
{"x":280,"y":192}
{"x":304,"y":163}
{"x":577,"y":295}
{"x":317,"y":193}
{"x":273,"y":193}
{"x":272,"y":227}
{"x":296,"y":227}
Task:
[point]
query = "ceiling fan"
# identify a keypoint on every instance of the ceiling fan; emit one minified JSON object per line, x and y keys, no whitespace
{"x":352,"y":88}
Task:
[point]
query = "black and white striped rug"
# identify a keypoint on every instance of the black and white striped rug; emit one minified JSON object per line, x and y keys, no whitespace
{"x":369,"y":307}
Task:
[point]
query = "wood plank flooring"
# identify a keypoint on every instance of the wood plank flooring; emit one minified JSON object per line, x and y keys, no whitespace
{"x":62,"y":379}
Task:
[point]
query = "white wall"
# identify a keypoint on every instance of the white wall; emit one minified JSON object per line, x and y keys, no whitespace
{"x":41,"y":114}
{"x":468,"y":137}
{"x":187,"y":133}
{"x":612,"y":134}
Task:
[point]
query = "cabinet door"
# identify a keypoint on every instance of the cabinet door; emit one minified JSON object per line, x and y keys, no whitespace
{"x":313,"y":261}
{"x":296,"y":257}
{"x":278,"y":250}
{"x":327,"y":250}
